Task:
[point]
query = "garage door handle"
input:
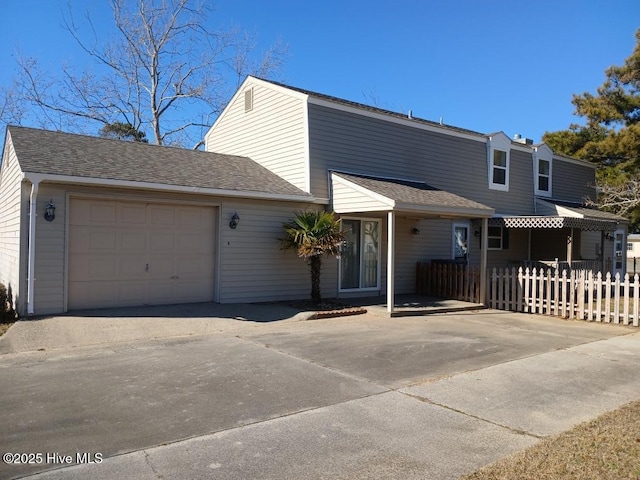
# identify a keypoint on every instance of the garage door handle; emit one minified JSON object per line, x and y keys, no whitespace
{"x":146,"y":267}
{"x":174,"y":277}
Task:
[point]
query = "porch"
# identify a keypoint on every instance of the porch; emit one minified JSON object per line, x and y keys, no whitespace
{"x":413,"y":305}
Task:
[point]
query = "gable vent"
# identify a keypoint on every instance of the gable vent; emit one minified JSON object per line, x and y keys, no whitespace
{"x":248,"y":100}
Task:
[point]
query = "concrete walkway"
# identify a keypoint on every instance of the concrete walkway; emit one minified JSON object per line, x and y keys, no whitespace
{"x":351,"y":398}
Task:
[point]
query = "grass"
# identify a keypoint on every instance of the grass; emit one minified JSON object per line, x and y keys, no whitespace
{"x":606,"y":448}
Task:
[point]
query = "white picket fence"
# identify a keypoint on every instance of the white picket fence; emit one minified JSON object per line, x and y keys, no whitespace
{"x":579,"y":294}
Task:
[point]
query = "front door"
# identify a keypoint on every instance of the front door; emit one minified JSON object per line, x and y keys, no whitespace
{"x":460,"y":247}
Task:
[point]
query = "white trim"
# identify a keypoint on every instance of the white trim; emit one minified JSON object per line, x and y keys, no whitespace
{"x":498,"y":142}
{"x":378,"y":220}
{"x":542,"y":152}
{"x":391,"y":119}
{"x":426,"y":209}
{"x":365,"y":191}
{"x":170,"y":188}
{"x":33,"y":201}
{"x":391,"y":248}
{"x":307,"y":148}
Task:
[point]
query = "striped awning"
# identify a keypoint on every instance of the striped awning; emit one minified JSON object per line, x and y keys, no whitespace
{"x":554,"y":222}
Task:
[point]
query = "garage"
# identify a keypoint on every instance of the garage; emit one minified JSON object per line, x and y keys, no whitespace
{"x":129,"y":253}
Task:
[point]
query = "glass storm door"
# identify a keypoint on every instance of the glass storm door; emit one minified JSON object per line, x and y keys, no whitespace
{"x":460,"y":249}
{"x":359,"y":260}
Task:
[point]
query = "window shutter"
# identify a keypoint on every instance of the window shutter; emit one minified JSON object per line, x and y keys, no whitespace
{"x":505,"y":238}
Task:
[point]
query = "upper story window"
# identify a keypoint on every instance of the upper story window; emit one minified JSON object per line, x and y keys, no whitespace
{"x":542,"y":163}
{"x":499,"y":149}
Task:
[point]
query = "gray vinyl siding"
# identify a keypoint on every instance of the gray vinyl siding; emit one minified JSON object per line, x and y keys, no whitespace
{"x":360,"y":144}
{"x":433,"y":242}
{"x":590,"y":247}
{"x":252,"y":268}
{"x":273,"y":133}
{"x":49,"y":285}
{"x":572,"y":182}
{"x":11,"y":224}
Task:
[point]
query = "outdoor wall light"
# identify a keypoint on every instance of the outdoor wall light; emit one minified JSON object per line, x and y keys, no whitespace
{"x":50,"y":211}
{"x":415,"y":231}
{"x":609,"y":236}
{"x":235,"y":220}
{"x":476,"y":233}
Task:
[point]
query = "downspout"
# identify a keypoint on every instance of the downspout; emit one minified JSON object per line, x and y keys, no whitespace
{"x":32,"y":247}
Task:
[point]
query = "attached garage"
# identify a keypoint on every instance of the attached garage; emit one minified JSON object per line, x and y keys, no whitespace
{"x":135,"y":224}
{"x":138,"y":253}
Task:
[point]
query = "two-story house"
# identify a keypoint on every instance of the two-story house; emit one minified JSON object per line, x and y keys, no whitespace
{"x":89,"y":222}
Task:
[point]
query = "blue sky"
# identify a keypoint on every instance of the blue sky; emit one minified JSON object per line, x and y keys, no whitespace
{"x":481,"y":65}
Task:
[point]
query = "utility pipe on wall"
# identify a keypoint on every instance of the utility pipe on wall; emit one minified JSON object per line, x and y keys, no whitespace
{"x":32,"y":247}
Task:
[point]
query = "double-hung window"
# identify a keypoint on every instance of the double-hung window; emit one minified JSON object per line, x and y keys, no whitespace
{"x":542,"y":167}
{"x":360,"y":256}
{"x":499,"y":157}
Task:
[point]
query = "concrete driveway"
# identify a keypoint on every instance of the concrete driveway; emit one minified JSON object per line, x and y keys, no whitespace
{"x":353,"y":397}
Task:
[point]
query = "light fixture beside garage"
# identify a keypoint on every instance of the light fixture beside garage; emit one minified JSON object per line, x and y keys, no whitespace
{"x":50,"y":211}
{"x":235,"y":220}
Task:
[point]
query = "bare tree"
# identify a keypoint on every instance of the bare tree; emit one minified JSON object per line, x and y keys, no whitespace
{"x":165,"y":73}
{"x":620,"y":197}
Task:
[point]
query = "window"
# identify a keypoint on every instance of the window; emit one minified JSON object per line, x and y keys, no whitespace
{"x":498,"y":149}
{"x":360,"y":256}
{"x":542,"y":170}
{"x":494,"y":238}
{"x":497,"y":238}
{"x":630,"y":247}
{"x":499,"y":167}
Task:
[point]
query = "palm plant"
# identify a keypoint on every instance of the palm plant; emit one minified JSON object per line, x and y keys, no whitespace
{"x":313,"y":234}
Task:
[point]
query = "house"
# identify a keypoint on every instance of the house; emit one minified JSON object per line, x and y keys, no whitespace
{"x":633,"y":253}
{"x":118,"y":223}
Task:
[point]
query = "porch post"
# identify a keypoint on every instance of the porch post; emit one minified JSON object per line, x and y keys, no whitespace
{"x":570,"y":248}
{"x":603,"y":237}
{"x":483,"y":261}
{"x":391,"y":226}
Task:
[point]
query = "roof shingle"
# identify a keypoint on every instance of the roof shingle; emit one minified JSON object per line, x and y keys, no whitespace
{"x":56,"y":153}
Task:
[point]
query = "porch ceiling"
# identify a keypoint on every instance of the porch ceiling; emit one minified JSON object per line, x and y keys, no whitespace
{"x":360,"y":193}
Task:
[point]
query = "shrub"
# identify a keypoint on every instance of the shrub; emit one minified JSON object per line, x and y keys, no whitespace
{"x":7,"y":312}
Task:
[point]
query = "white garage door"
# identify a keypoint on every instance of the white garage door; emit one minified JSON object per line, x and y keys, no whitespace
{"x":134,"y":253}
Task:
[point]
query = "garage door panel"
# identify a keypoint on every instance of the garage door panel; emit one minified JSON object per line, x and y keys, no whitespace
{"x":162,"y":241}
{"x":111,"y":243}
{"x":161,"y":267}
{"x":161,"y":215}
{"x":133,"y":214}
{"x":131,"y":240}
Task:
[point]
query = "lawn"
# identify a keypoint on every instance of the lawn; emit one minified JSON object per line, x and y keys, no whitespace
{"x":606,"y":448}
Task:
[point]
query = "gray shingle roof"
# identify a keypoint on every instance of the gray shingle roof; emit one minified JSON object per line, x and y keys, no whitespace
{"x":413,"y":192}
{"x":587,"y":211}
{"x":56,"y":153}
{"x":370,"y":108}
